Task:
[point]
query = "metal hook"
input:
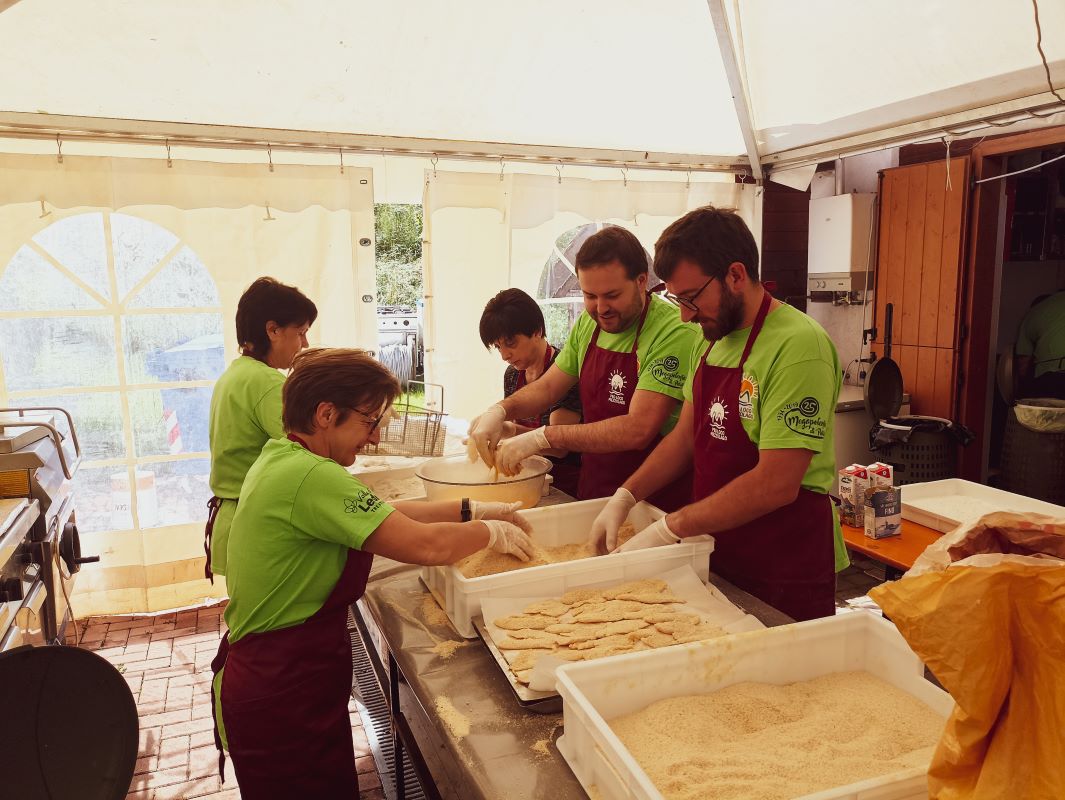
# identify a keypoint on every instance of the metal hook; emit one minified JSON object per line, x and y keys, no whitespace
{"x":268,"y":217}
{"x":341,"y":151}
{"x":502,"y":164}
{"x":169,"y":162}
{"x":270,"y":157}
{"x":558,"y":170}
{"x":434,"y":161}
{"x":59,"y":145}
{"x":688,"y":182}
{"x":44,"y":211}
{"x":624,"y":175}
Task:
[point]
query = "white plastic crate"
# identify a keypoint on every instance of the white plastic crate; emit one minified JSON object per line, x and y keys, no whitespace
{"x":554,"y":526}
{"x":944,"y":505}
{"x":383,"y":481}
{"x":595,"y":692}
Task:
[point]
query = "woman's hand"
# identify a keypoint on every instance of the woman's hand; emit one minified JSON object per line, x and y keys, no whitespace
{"x":506,"y":537}
{"x":508,"y":512}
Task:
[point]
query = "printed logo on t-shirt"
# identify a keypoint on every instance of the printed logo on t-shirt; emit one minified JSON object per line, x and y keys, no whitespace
{"x":803,"y":418}
{"x":664,"y":370}
{"x":616,"y":388}
{"x":718,"y":413}
{"x":364,"y":502}
{"x":748,"y":394}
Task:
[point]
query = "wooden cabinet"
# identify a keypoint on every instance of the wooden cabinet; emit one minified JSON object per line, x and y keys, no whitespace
{"x":922,"y":216}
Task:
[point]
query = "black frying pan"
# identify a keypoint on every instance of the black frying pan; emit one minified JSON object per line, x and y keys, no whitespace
{"x":883,"y":384}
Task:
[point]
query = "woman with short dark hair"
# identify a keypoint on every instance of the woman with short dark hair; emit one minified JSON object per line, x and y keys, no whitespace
{"x":301,"y":546}
{"x":272,"y":324}
{"x":513,"y":323}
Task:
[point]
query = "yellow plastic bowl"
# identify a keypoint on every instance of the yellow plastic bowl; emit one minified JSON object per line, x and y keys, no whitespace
{"x":454,"y":477}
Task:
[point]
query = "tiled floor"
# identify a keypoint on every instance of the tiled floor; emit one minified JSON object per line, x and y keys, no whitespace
{"x":166,"y":660}
{"x":857,"y":579}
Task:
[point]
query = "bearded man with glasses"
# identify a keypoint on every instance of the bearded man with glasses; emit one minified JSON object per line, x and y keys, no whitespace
{"x":756,"y":424}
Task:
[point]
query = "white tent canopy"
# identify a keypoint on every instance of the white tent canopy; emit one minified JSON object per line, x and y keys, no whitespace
{"x":594,"y":80}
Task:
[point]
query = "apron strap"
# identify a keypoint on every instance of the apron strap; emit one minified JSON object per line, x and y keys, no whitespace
{"x":763,"y":312}
{"x":636,"y":342}
{"x":213,"y":505}
{"x":294,"y":438}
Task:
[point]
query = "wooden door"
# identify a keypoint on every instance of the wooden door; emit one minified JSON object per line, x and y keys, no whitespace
{"x":918,"y":270}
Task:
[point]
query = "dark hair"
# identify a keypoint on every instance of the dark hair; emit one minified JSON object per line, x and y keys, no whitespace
{"x":269,"y":300}
{"x":611,"y":244}
{"x":344,"y":376}
{"x":509,"y":313}
{"x":711,"y":237}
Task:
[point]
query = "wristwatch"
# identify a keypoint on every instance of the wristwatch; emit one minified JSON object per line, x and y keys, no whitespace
{"x":467,"y":514}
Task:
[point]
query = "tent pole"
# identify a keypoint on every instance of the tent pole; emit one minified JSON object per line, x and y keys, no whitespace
{"x":736,"y":83}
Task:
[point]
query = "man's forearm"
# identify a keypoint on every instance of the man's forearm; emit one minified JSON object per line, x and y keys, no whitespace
{"x":606,"y":436}
{"x":667,"y":462}
{"x":743,"y":499}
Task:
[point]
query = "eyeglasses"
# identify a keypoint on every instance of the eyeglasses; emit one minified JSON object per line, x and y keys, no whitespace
{"x":373,"y":421}
{"x":688,"y":302}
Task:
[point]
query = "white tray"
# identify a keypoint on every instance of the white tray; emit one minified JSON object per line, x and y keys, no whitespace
{"x":378,"y":480}
{"x":559,"y":525}
{"x":598,"y":691}
{"x":944,"y":505}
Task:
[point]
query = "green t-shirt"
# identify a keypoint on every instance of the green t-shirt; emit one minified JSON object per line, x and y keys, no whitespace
{"x":298,"y":516}
{"x":788,"y":393}
{"x":245,"y":414}
{"x":1042,"y":335}
{"x":662,"y":352}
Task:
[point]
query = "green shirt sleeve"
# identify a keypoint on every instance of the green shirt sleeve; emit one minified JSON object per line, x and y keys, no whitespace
{"x":268,"y":412}
{"x":1026,"y":337}
{"x":572,"y":354}
{"x":668,"y":362}
{"x":333,"y":506}
{"x":796,"y":406}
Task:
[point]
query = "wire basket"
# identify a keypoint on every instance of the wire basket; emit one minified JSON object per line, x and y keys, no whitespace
{"x":415,"y":428}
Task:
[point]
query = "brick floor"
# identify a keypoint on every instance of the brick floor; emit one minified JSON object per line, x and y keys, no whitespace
{"x":165,"y":659}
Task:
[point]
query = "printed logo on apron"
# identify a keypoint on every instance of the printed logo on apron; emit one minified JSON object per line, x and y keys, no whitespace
{"x":718,"y":413}
{"x":615,"y":393}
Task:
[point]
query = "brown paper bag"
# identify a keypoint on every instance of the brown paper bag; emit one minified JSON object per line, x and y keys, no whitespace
{"x":984,"y":608}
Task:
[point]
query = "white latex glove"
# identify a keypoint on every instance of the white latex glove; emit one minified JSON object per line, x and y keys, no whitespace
{"x":485,"y":432}
{"x":509,"y":429}
{"x":511,"y":452}
{"x":508,"y":512}
{"x":506,"y":537}
{"x":612,"y":517}
{"x":654,"y":535}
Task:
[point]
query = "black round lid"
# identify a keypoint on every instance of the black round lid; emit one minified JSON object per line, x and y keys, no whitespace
{"x":883,"y":389}
{"x":70,"y":727}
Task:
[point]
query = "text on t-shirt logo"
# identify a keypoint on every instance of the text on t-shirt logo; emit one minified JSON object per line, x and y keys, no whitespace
{"x":664,"y":370}
{"x":803,"y":418}
{"x":365,"y":502}
{"x":748,"y":394}
{"x":718,"y":413}
{"x":616,"y":388}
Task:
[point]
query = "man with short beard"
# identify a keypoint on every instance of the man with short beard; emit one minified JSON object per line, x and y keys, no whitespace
{"x":757,"y":423}
{"x":627,"y":353}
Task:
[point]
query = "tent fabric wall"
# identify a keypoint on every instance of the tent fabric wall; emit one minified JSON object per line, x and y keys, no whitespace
{"x":300,"y":225}
{"x":484,"y":234}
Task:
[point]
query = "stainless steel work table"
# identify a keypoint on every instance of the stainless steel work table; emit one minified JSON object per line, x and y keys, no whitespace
{"x":499,"y":757}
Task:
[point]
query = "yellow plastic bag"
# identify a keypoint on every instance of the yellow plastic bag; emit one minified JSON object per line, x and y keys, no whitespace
{"x":984,"y":608}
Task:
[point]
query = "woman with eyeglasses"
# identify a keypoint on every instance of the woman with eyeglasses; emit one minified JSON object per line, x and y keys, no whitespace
{"x":301,"y":546}
{"x":272,"y":324}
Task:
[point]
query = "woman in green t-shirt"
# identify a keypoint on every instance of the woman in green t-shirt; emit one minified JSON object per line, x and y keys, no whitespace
{"x":301,"y":546}
{"x":272,"y":324}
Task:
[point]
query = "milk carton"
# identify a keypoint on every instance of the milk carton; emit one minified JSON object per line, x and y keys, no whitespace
{"x":881,"y":474}
{"x":883,"y":511}
{"x":853,"y":481}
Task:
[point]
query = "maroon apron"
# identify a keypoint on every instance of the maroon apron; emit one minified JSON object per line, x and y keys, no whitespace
{"x":285,"y":700}
{"x":608,"y":381}
{"x":786,"y":557}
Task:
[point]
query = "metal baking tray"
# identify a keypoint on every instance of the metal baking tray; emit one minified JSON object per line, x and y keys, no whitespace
{"x":536,"y":702}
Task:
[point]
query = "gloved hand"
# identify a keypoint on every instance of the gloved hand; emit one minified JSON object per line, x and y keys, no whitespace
{"x":505,"y":537}
{"x":485,"y":432}
{"x":511,"y":452}
{"x":508,"y":512}
{"x":605,"y":528}
{"x":654,"y":535}
{"x":509,"y":429}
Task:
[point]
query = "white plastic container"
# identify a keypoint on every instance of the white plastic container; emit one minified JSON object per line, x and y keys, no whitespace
{"x":554,"y":526}
{"x":385,"y":482}
{"x":595,"y":692}
{"x":944,"y":505}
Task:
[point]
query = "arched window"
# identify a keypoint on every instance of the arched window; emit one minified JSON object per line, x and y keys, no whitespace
{"x":117,"y":320}
{"x":559,"y":293}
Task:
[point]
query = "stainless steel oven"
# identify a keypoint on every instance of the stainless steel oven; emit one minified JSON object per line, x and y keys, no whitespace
{"x":23,"y":593}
